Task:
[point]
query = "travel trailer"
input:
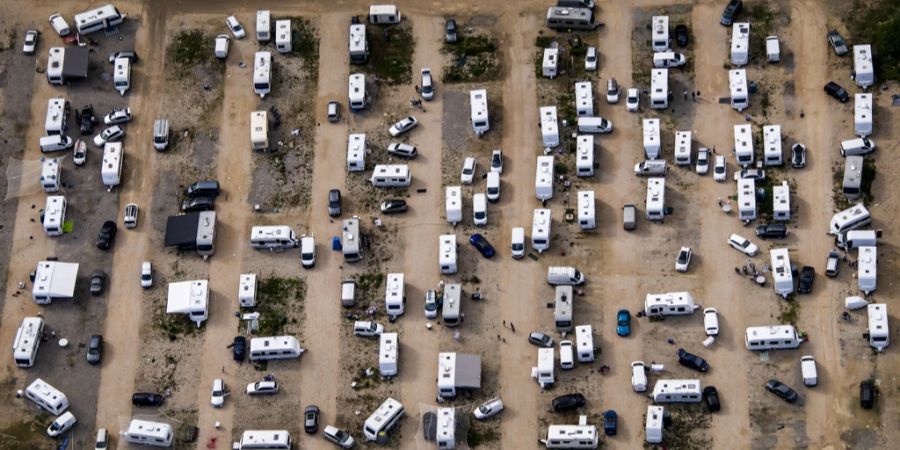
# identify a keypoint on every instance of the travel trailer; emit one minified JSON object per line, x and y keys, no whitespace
{"x":549,"y":127}
{"x":191,"y":298}
{"x":746,"y":194}
{"x":581,"y":436}
{"x":562,"y":309}
{"x":111,"y":170}
{"x":273,"y":238}
{"x":543,"y":178}
{"x":737,"y":83}
{"x":453,"y":207}
{"x":46,"y":396}
{"x":852,"y":184}
{"x":54,"y":215}
{"x":544,"y":372}
{"x":283,"y":36}
{"x":145,"y":432}
{"x":247,"y":290}
{"x":584,"y":155}
{"x":356,"y":152}
{"x":677,"y":391}
{"x":259,"y":130}
{"x":388,"y":354}
{"x":740,"y":43}
{"x":478,"y":102}
{"x":56,"y":120}
{"x":359,"y":46}
{"x":395,"y":294}
{"x":852,"y":218}
{"x":772,"y":337}
{"x":659,"y":88}
{"x":103,"y":18}
{"x":651,"y":138}
{"x":447,"y":253}
{"x":584,"y":99}
{"x":743,"y":145}
{"x":54,"y":280}
{"x":659,"y":40}
{"x":391,"y":175}
{"x":862,"y":115}
{"x":458,"y":372}
{"x":772,"y":154}
{"x":570,"y":19}
{"x":264,"y":439}
{"x":781,"y":202}
{"x":50,"y":174}
{"x":863,"y":68}
{"x":653,"y":431}
{"x":550,"y":62}
{"x":383,"y":419}
{"x":450,"y":311}
{"x":357,"y":92}
{"x":584,"y":343}
{"x":350,"y":237}
{"x":781,"y":272}
{"x":263,"y":25}
{"x":867,"y":273}
{"x":586,"y":210}
{"x":262,"y":73}
{"x":27,"y":341}
{"x":541,"y":225}
{"x":384,"y":14}
{"x":122,"y":75}
{"x":683,"y":148}
{"x":656,"y":199}
{"x":669,"y":304}
{"x":879,"y":331}
{"x":274,"y":347}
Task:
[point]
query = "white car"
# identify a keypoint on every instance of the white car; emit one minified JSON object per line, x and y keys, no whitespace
{"x":365,"y":328}
{"x":638,"y":376}
{"x":338,"y":437}
{"x":79,"y":153}
{"x":219,"y":392}
{"x":236,"y":29}
{"x":117,"y":116}
{"x":703,"y":161}
{"x":632,"y":99}
{"x":405,"y":124}
{"x":590,"y":59}
{"x":497,"y":161}
{"x":711,"y":321}
{"x":743,"y":245}
{"x":488,"y":409}
{"x":102,"y":441}
{"x":146,"y":274}
{"x":427,"y":84}
{"x":60,"y":25}
{"x":720,"y":171}
{"x":61,"y":424}
{"x":431,"y":304}
{"x":31,"y":37}
{"x":468,"y":171}
{"x":262,"y":388}
{"x":612,"y":91}
{"x":683,"y":260}
{"x":111,"y":134}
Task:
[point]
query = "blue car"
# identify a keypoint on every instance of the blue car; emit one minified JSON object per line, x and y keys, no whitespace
{"x":623,"y":323}
{"x":482,"y":245}
{"x":610,"y":422}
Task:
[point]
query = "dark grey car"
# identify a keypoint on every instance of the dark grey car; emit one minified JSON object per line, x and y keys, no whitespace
{"x":334,"y":202}
{"x":837,"y":43}
{"x":95,"y":349}
{"x":198,"y":204}
{"x":98,"y":282}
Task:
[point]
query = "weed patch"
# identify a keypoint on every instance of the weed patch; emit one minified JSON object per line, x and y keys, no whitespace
{"x":190,"y":49}
{"x":391,"y":54}
{"x":473,"y":59}
{"x":275,"y":297}
{"x":877,"y":22}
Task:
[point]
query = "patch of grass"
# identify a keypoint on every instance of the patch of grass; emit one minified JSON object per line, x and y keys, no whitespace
{"x":877,"y":22}
{"x":790,"y":311}
{"x":473,"y":59}
{"x":391,"y":52}
{"x":25,"y":433}
{"x":189,"y":49}
{"x":688,"y":429}
{"x":368,"y":286}
{"x":481,"y":433}
{"x":274,"y":296}
{"x":869,"y":174}
{"x":868,"y":177}
{"x":305,"y":43}
{"x":761,"y":20}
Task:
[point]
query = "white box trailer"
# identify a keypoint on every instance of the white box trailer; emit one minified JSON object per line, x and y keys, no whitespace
{"x":584,"y":342}
{"x":659,"y":40}
{"x":50,"y":174}
{"x":391,"y":175}
{"x":46,"y":396}
{"x":852,"y":218}
{"x":743,"y":144}
{"x":863,"y":67}
{"x":388,"y":354}
{"x":357,"y":92}
{"x":445,"y":429}
{"x":263,"y":439}
{"x":862,"y":114}
{"x":746,"y":199}
{"x":263,"y":25}
{"x":677,"y":391}
{"x":191,"y":298}
{"x":479,"y":107}
{"x":262,"y":73}
{"x":651,"y":138}
{"x":772,"y":154}
{"x":773,"y":337}
{"x":453,"y":204}
{"x":584,"y":99}
{"x":105,"y":17}
{"x":669,"y":304}
{"x":384,"y":14}
{"x":259,"y":130}
{"x":544,"y":372}
{"x":683,"y":148}
{"x":782,"y":275}
{"x":54,"y":280}
{"x":56,"y":121}
{"x":541,"y":224}
{"x":584,"y":155}
{"x":356,"y":152}
{"x":395,"y":294}
{"x":879,"y":330}
{"x":247,"y":290}
{"x":737,"y":84}
{"x":145,"y":432}
{"x":867,"y":269}
{"x":659,"y":88}
{"x":275,"y":347}
{"x":549,"y":127}
{"x":550,"y":62}
{"x":27,"y":342}
{"x":781,"y":202}
{"x":54,"y":215}
{"x":586,"y":210}
{"x":740,"y":43}
{"x":283,"y":36}
{"x":543,"y":178}
{"x":562,"y":308}
{"x":447,"y":253}
{"x":111,"y":170}
{"x":656,"y":198}
{"x":55,"y":61}
{"x":358,"y":46}
{"x":653,"y":431}
{"x":581,"y":436}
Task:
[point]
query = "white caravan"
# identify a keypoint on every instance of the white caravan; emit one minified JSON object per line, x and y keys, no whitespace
{"x":274,"y":347}
{"x":740,"y":43}
{"x":384,"y":14}
{"x":656,"y":199}
{"x":103,"y":18}
{"x":781,"y":202}
{"x":478,"y":102}
{"x":453,"y":204}
{"x":854,"y":217}
{"x":669,"y":304}
{"x":562,"y":308}
{"x":122,"y":75}
{"x":584,"y":99}
{"x":737,"y":84}
{"x":445,"y":432}
{"x":677,"y":391}
{"x":550,"y":62}
{"x":746,"y":199}
{"x":863,"y":68}
{"x":191,"y":298}
{"x":111,"y":170}
{"x":584,"y":343}
{"x":55,"y":58}
{"x":544,"y":372}
{"x":383,"y":419}
{"x":772,"y":337}
{"x":259,"y":130}
{"x":145,"y":432}
{"x":247,"y":290}
{"x":54,"y":280}
{"x":450,"y":313}
{"x":50,"y":174}
{"x":47,"y":397}
{"x":283,"y":36}
{"x":862,"y":115}
{"x":273,"y":238}
{"x":262,"y":73}
{"x":659,"y":88}
{"x":651,"y":138}
{"x":357,"y":92}
{"x":55,"y":121}
{"x":27,"y":342}
{"x":581,"y":436}
{"x":879,"y":331}
{"x":586,"y":210}
{"x":743,"y":145}
{"x":54,"y":215}
{"x":549,"y":127}
{"x":395,"y":294}
{"x":543,"y":178}
{"x":584,"y":155}
{"x":867,"y":273}
{"x":773,"y":49}
{"x":356,"y":152}
{"x":391,"y":175}
{"x":358,"y":46}
{"x":350,"y":240}
{"x":447,"y":253}
{"x":541,"y":224}
{"x":653,"y":431}
{"x":683,"y":148}
{"x":659,"y":40}
{"x":457,"y":372}
{"x":263,"y":25}
{"x":781,"y":271}
{"x":264,"y":439}
{"x":388,"y":354}
{"x":772,"y":154}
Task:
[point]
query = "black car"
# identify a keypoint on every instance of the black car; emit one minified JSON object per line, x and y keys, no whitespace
{"x":95,"y":349}
{"x":198,"y":204}
{"x":772,"y":230}
{"x":204,"y":188}
{"x":540,"y":339}
{"x":835,"y":90}
{"x":107,"y":235}
{"x":782,"y":390}
{"x":147,"y":399}
{"x":334,"y":202}
{"x":692,"y":361}
{"x":87,"y":119}
{"x":393,"y":206}
{"x":239,"y":348}
{"x":311,"y":419}
{"x":568,"y":401}
{"x":798,"y":156}
{"x":482,"y":245}
{"x":98,"y":282}
{"x":128,"y":54}
{"x":731,"y":10}
{"x":711,"y":397}
{"x":450,"y":34}
{"x":807,"y":277}
{"x":681,"y":35}
{"x":867,"y":394}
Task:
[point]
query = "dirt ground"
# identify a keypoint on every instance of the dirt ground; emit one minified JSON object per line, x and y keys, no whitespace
{"x":208,"y":102}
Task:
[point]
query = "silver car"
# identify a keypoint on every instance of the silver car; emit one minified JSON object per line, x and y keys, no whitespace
{"x":431,"y":304}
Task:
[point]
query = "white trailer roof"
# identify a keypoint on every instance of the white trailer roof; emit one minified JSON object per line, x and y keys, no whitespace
{"x":743,"y":139}
{"x":771,"y":139}
{"x":111,"y":170}
{"x":585,"y":205}
{"x":737,"y":83}
{"x":478,"y":101}
{"x":549,"y":124}
{"x":56,"y":108}
{"x":781,"y":267}
{"x":187,"y":296}
{"x":155,"y":430}
{"x":862,"y":59}
{"x":50,"y":170}
{"x":551,"y":57}
{"x":584,"y":149}
{"x":740,"y":43}
{"x":781,"y":195}
{"x":55,"y":279}
{"x":394,"y":287}
{"x":656,"y":193}
{"x":863,"y":108}
{"x":357,"y":38}
{"x":659,"y":84}
{"x":772,"y":332}
{"x":357,"y":87}
{"x":262,"y":67}
{"x":584,"y":98}
{"x":651,"y":133}
{"x":746,"y":190}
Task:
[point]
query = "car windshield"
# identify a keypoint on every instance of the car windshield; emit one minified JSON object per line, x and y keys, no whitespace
{"x":744,"y":244}
{"x":484,"y":409}
{"x":340,"y":435}
{"x":146,"y":277}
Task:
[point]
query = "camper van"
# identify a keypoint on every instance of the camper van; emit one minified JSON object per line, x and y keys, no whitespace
{"x":283,"y":36}
{"x":111,"y":170}
{"x":262,"y":73}
{"x":867,"y":264}
{"x":50,"y":174}
{"x":659,"y":88}
{"x":740,"y":43}
{"x":273,"y":238}
{"x":247,"y":290}
{"x":356,"y":152}
{"x":357,"y":92}
{"x":103,"y":18}
{"x":669,"y":304}
{"x":55,"y":143}
{"x":570,"y":19}
{"x":27,"y":341}
{"x":388,"y":354}
{"x":581,"y":436}
{"x":584,"y":155}
{"x":383,"y":419}
{"x":746,"y":199}
{"x":478,"y":103}
{"x":862,"y":115}
{"x":659,"y":41}
{"x":350,"y":237}
{"x":564,"y":275}
{"x":562,"y":310}
{"x":774,"y":337}
{"x":857,"y":238}
{"x":145,"y":432}
{"x":879,"y":331}
{"x":856,"y":146}
{"x":781,"y":272}
{"x":586,"y":210}
{"x":541,"y":225}
{"x":348,"y":292}
{"x":683,"y":148}
{"x":259,"y":130}
{"x":545,"y":370}
{"x":550,"y":62}
{"x":359,"y":46}
{"x":549,"y":127}
{"x":391,"y":175}
{"x":45,"y":396}
{"x":781,"y":202}
{"x":264,"y":439}
{"x":737,"y":83}
{"x":55,"y":58}
{"x":677,"y":391}
{"x":56,"y":121}
{"x":863,"y":68}
{"x":584,"y":343}
{"x":852,"y":185}
{"x":653,"y":431}
{"x":852,"y":218}
{"x":665,"y":60}
{"x":656,"y":199}
{"x":450,"y":311}
{"x":584,"y":99}
{"x":447,"y":253}
{"x":122,"y":74}
{"x":453,"y":206}
{"x":395,"y":294}
{"x":384,"y":14}
{"x":651,"y":138}
{"x":543,"y":178}
{"x":274,"y":347}
{"x":54,"y":215}
{"x":743,"y":145}
{"x":263,"y":25}
{"x":772,"y":154}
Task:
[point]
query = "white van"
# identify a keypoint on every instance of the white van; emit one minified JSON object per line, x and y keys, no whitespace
{"x":479,"y":209}
{"x":56,"y":143}
{"x":348,"y":293}
{"x":566,"y":355}
{"x":711,"y":321}
{"x":383,"y":419}
{"x":559,"y":275}
{"x":160,"y":134}
{"x":665,"y":60}
{"x":222,"y":45}
{"x":773,"y":49}
{"x":594,"y":125}
{"x":493,"y":186}
{"x":808,"y":369}
{"x":638,"y":376}
{"x":308,"y":251}
{"x":518,"y":242}
{"x":122,"y":74}
{"x":857,"y":146}
{"x":61,"y":424}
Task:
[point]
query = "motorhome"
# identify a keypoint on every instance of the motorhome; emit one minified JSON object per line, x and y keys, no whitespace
{"x":383,"y":419}
{"x":550,"y":62}
{"x":659,"y":88}
{"x":350,"y":237}
{"x":263,"y":25}
{"x":102,"y":18}
{"x":541,"y":225}
{"x":445,"y":428}
{"x":359,"y":46}
{"x":192,"y":231}
{"x":677,"y":391}
{"x":746,"y":199}
{"x":111,"y":170}
{"x":781,"y":202}
{"x":262,"y":73}
{"x":772,"y":154}
{"x":562,"y":309}
{"x":581,"y":436}
{"x":543,"y":178}
{"x":665,"y":60}
{"x":54,"y":215}
{"x":122,"y":75}
{"x":259,"y":130}
{"x":395,"y":294}
{"x":478,"y":103}
{"x":740,"y":43}
{"x":549,"y":127}
{"x":453,"y":204}
{"x":447,"y":253}
{"x":564,"y":275}
{"x":388,"y":354}
{"x":879,"y":330}
{"x":743,"y":145}
{"x":391,"y":175}
{"x":773,"y":49}
{"x":274,"y":347}
{"x":852,"y":218}
{"x":772,"y":337}
{"x":857,"y":238}
{"x":570,"y":19}
{"x":853,"y":169}
{"x":586,"y":210}
{"x":737,"y":83}
{"x":653,"y":431}
{"x":145,"y":432}
{"x":273,"y":238}
{"x":450,"y":311}
{"x":27,"y":341}
{"x":264,"y":439}
{"x":651,"y":138}
{"x":584,"y":343}
{"x":384,"y":14}
{"x":867,"y":273}
{"x":283,"y":36}
{"x":683,"y":148}
{"x":56,"y":120}
{"x":46,"y":396}
{"x":659,"y":40}
{"x":862,"y":115}
{"x":54,"y":280}
{"x":247,"y":290}
{"x":544,"y":372}
{"x":669,"y":304}
{"x":584,"y":155}
{"x":782,"y":274}
{"x":356,"y":152}
{"x":458,"y":372}
{"x":584,"y":99}
{"x":357,"y":92}
{"x":863,"y":68}
{"x":656,"y":199}
{"x":190,"y":298}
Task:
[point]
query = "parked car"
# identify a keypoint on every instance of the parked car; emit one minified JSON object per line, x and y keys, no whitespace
{"x":117,"y":116}
{"x":692,"y":361}
{"x":467,"y":176}
{"x":61,"y":424}
{"x":702,"y":161}
{"x":236,"y":29}
{"x":488,"y":409}
{"x":807,"y":278}
{"x":218,"y":394}
{"x":482,"y":245}
{"x":743,"y":245}
{"x":59,"y":25}
{"x":195,"y":204}
{"x":497,"y":161}
{"x":405,"y":151}
{"x":568,"y":401}
{"x":629,"y":216}
{"x":750,"y":174}
{"x":79,"y":153}
{"x":263,"y":387}
{"x":837,"y":91}
{"x":540,"y":339}
{"x":130,"y":55}
{"x":711,"y":398}
{"x":782,"y":390}
{"x":334,"y":202}
{"x":837,"y":43}
{"x":610,"y":422}
{"x":612,"y":91}
{"x":450,"y":33}
{"x":590,"y":59}
{"x":798,"y":156}
{"x":403,"y":125}
{"x":623,"y":323}
{"x":107,"y":235}
{"x":311,"y":419}
{"x":832,"y":264}
{"x":204,"y":188}
{"x":111,"y":134}
{"x":338,"y":437}
{"x":681,"y":35}
{"x":95,"y":349}
{"x":683,"y":260}
{"x":773,"y":230}
{"x":146,"y":274}
{"x":867,"y":394}
{"x":365,"y":328}
{"x":239,"y":348}
{"x":87,"y":119}
{"x":147,"y":399}
{"x":130,"y":218}
{"x":102,"y":441}
{"x":98,"y":282}
{"x":632,"y":99}
{"x":731,"y":9}
{"x":720,"y":170}
{"x":711,"y":321}
{"x":334,"y":111}
{"x":393,"y":206}
{"x":427,"y":84}
{"x":31,"y":37}
{"x":431,"y":304}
